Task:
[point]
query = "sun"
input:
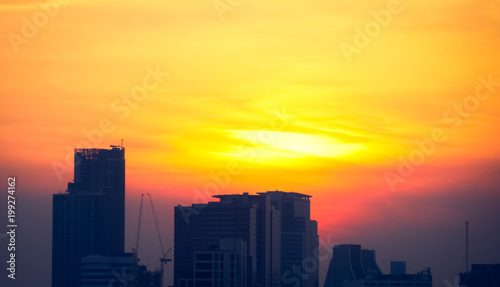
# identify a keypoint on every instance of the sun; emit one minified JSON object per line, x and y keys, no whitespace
{"x":275,"y":147}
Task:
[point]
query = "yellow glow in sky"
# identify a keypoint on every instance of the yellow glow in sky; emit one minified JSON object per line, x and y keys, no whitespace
{"x":272,"y":145}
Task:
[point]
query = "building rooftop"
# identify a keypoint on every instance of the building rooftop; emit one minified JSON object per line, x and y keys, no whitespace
{"x":93,"y":153}
{"x":295,"y":194}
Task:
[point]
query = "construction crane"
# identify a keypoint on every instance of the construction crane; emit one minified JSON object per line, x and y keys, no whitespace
{"x":136,"y":247}
{"x":163,"y":260}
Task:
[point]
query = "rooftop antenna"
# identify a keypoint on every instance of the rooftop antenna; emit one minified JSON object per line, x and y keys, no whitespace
{"x":467,"y":246}
{"x":122,"y":144}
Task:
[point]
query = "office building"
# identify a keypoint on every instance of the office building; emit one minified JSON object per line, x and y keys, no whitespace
{"x":89,"y":218}
{"x":275,"y":227}
{"x":299,"y":238}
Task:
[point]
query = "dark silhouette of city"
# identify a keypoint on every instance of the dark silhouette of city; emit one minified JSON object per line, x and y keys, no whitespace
{"x":352,"y":266}
{"x":266,"y":239}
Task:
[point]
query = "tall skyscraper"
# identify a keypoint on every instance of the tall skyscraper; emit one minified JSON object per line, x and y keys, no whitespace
{"x":275,"y":226}
{"x":299,"y":239}
{"x":89,"y":218}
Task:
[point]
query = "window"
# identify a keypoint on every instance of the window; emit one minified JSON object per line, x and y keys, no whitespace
{"x":203,"y":275}
{"x":204,"y":257}
{"x":204,"y":266}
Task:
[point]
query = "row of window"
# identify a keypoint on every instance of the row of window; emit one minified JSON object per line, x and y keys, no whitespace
{"x":204,"y":283}
{"x":215,"y":266}
{"x":210,"y":275}
{"x":208,"y":257}
{"x":397,"y":284}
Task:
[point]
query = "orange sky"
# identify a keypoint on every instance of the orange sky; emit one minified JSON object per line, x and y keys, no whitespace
{"x":267,"y":89}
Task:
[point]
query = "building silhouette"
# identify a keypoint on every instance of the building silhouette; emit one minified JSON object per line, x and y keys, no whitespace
{"x":89,"y":218}
{"x":352,"y":266}
{"x":369,"y":263}
{"x":119,"y":270}
{"x":481,"y":275}
{"x":398,"y":267}
{"x":299,"y":239}
{"x":347,"y":264}
{"x":225,"y":266}
{"x":274,"y":226}
{"x":98,"y":270}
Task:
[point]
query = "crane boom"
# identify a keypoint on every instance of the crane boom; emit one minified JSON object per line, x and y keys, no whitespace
{"x":163,"y":259}
{"x":156,"y":224}
{"x":138,"y":228}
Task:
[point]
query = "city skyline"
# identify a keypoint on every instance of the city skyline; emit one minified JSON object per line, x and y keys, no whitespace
{"x":268,"y":239}
{"x":386,"y":112}
{"x":96,"y":178}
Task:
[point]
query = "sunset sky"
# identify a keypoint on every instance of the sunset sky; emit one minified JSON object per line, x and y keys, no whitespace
{"x":266,"y":88}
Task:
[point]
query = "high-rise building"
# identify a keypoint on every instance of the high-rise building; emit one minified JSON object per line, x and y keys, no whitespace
{"x":275,"y":226}
{"x":89,"y":218}
{"x":199,"y":228}
{"x":299,"y":239}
